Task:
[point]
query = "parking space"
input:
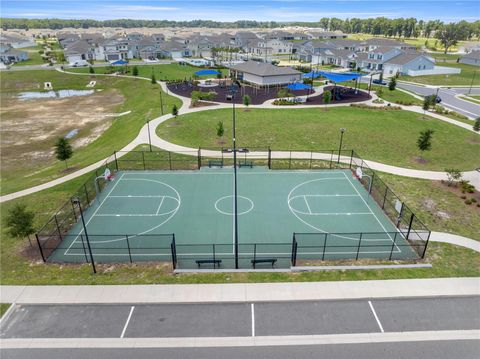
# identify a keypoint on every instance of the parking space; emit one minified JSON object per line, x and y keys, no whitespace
{"x":65,"y":321}
{"x":398,"y":315}
{"x":200,"y":320}
{"x":321,"y":317}
{"x":242,"y":319}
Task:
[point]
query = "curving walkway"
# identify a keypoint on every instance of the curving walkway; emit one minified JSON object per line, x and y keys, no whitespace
{"x":142,"y":138}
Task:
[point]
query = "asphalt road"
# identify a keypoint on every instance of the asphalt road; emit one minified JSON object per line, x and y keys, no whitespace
{"x":242,"y":319}
{"x":467,"y":349}
{"x":447,"y":95}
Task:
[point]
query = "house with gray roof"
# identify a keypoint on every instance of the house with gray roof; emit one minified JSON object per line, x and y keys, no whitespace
{"x":326,"y":35}
{"x":264,"y":74}
{"x":79,"y":50}
{"x":473,"y":58}
{"x":408,"y":63}
{"x":8,"y":55}
{"x":174,"y":50}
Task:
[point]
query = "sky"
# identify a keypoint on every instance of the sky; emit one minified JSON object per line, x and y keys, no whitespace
{"x":224,"y":10}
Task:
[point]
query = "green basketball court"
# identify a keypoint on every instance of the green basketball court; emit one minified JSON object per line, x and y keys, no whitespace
{"x":138,"y":213}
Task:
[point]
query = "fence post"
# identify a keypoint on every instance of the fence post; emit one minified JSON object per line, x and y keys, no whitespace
{"x":199,"y":158}
{"x":294,"y":255}
{"x":311,"y":155}
{"x":400,"y":215}
{"x":393,"y":246}
{"x":426,"y":244}
{"x":359,"y":244}
{"x":410,"y":226}
{"x":214,"y":263}
{"x":385,"y":197}
{"x":128,"y":247}
{"x":86,"y":193}
{"x":84,"y":249}
{"x":254,"y":255}
{"x":170,"y":160}
{"x":73,"y":209}
{"x":116,"y":162}
{"x":331,"y":159}
{"x":324,"y":246}
{"x":290,"y":161}
{"x":143,"y":160}
{"x":371,"y":183}
{"x":351,"y":159}
{"x":269,"y":158}
{"x":58,"y":228}
{"x":174,"y":253}
{"x":40,"y":247}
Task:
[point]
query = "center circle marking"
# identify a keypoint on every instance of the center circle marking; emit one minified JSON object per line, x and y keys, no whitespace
{"x":242,"y":201}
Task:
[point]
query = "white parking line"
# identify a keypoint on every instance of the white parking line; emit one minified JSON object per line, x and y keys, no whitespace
{"x":128,"y":321}
{"x":253,"y":320}
{"x":376,"y":317}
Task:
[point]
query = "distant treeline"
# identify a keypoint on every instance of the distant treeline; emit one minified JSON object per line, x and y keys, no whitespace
{"x":402,"y":27}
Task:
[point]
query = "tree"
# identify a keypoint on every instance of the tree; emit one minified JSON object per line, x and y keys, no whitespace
{"x":392,"y":84}
{"x":220,"y":129}
{"x":20,"y":221}
{"x":426,"y":106}
{"x":135,"y":71}
{"x":449,"y":35}
{"x":63,"y":150}
{"x":476,"y":125}
{"x":327,"y":98}
{"x":91,"y":70}
{"x":424,"y":141}
{"x":246,"y":100}
{"x":175,"y":110}
{"x":453,"y":175}
{"x":154,"y":80}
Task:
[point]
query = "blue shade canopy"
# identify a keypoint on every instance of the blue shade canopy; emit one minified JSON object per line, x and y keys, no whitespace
{"x":340,"y":77}
{"x":311,"y":74}
{"x":207,"y":72}
{"x":298,"y":86}
{"x":119,"y":62}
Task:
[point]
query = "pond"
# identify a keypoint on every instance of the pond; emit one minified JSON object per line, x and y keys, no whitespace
{"x":32,"y":95}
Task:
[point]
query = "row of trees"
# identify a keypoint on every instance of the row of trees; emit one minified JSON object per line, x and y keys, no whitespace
{"x":400,"y":27}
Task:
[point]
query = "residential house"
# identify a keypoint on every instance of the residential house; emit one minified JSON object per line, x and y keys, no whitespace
{"x":326,"y":35}
{"x":263,"y":74}
{"x":373,"y":60}
{"x":473,"y":58}
{"x":408,"y":63}
{"x":79,"y":50}
{"x":16,"y":41}
{"x":200,"y":46}
{"x":8,"y":54}
{"x":243,"y":38}
{"x":117,"y":49}
{"x":263,"y":48}
{"x":174,"y":50}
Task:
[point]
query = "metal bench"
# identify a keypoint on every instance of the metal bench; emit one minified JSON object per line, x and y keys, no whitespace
{"x":215,"y":262}
{"x":245,"y":164}
{"x":256,"y":261}
{"x":215,"y":163}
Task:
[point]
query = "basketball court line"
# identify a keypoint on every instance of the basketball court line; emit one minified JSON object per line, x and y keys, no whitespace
{"x":96,"y":210}
{"x":160,"y":205}
{"x":381,"y":224}
{"x":306,"y":202}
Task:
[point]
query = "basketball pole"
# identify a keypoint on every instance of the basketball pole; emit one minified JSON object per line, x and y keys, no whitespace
{"x":235,"y":181}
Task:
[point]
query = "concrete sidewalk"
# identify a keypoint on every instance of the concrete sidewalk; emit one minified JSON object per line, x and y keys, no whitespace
{"x":247,"y":292}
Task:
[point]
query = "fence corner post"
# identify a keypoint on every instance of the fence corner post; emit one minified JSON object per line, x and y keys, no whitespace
{"x":199,"y":158}
{"x":40,"y":247}
{"x":116,"y":162}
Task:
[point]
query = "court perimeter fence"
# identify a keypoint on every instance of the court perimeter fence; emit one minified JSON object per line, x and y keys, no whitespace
{"x":53,"y":234}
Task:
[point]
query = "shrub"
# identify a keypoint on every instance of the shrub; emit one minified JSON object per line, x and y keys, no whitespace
{"x":468,"y":202}
{"x":284,"y":93}
{"x":453,"y":175}
{"x":474,"y":200}
{"x":463,"y":197}
{"x":381,"y":108}
{"x":284,"y":102}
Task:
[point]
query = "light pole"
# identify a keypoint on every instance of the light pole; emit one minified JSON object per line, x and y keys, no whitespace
{"x":342,"y":131}
{"x":149,"y":138}
{"x":161,"y":100}
{"x":76,"y":200}
{"x":471,"y":83}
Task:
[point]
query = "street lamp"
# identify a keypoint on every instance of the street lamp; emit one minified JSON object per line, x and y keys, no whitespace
{"x":471,"y":83}
{"x":161,"y":100}
{"x":342,"y":131}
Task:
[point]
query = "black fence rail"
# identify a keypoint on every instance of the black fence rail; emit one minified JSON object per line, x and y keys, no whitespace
{"x":55,"y":233}
{"x":312,"y":247}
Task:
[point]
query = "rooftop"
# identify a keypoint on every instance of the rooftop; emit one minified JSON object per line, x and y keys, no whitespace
{"x":264,"y":69}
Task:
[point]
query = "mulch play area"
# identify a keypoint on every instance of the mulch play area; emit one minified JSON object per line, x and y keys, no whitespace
{"x":260,"y":95}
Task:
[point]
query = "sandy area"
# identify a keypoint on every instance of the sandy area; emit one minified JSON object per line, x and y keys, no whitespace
{"x":29,"y":128}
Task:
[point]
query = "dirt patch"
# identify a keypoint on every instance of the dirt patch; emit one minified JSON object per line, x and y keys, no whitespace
{"x":203,"y":104}
{"x":419,"y":160}
{"x":456,"y":189}
{"x":30,"y":128}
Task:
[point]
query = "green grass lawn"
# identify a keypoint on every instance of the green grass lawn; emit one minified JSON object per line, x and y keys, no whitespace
{"x":34,"y":58}
{"x":3,"y":308}
{"x":162,"y":72}
{"x":141,"y":97}
{"x":395,"y":96}
{"x":385,"y":136}
{"x":18,"y":269}
{"x":472,"y":98}
{"x":463,"y":78}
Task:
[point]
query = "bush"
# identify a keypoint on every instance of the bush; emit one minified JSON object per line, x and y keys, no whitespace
{"x":284,"y":102}
{"x":284,"y":93}
{"x":463,"y":197}
{"x":468,"y":202}
{"x":474,"y":200}
{"x":381,"y":108}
